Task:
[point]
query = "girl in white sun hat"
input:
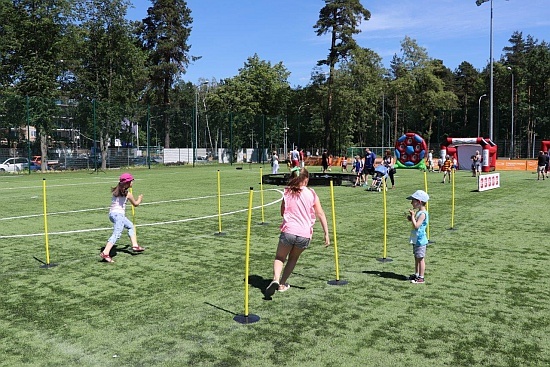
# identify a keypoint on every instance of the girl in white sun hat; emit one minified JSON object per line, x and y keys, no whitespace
{"x":419,"y":219}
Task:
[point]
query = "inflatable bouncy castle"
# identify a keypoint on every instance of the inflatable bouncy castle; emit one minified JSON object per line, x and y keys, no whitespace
{"x":463,"y":148}
{"x":410,"y":151}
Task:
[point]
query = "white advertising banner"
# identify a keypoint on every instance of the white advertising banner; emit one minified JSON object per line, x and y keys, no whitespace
{"x":488,"y":181}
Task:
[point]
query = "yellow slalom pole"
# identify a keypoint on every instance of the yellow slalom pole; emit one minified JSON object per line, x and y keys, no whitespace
{"x":337,"y":281}
{"x":219,"y":204}
{"x":262,"y":193}
{"x":247,"y":318}
{"x":133,"y":214}
{"x":385,"y":257}
{"x":453,"y":202}
{"x":334,"y":230}
{"x":46,"y":222}
{"x":247,"y":256}
{"x":427,"y":204}
{"x":385,"y":219}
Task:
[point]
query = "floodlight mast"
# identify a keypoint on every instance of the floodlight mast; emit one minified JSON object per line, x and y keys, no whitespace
{"x":479,"y":114}
{"x":512,"y":124}
{"x":478,"y":3}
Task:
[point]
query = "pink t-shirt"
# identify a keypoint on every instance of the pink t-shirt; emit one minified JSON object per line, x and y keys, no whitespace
{"x":299,"y":214}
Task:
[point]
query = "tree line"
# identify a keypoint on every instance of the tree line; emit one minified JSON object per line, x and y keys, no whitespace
{"x":81,"y":62}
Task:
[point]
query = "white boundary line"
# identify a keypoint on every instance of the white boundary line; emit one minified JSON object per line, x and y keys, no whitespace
{"x":150,"y":224}
{"x":148,"y":203}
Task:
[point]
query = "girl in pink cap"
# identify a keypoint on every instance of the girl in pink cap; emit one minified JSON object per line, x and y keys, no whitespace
{"x":117,"y":215}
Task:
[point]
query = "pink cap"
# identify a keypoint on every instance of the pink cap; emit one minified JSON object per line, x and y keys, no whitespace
{"x":126,"y":177}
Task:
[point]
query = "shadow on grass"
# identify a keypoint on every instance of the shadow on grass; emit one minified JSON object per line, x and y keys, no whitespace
{"x":260,"y":283}
{"x":222,"y":309}
{"x":126,"y":249}
{"x":387,"y":274}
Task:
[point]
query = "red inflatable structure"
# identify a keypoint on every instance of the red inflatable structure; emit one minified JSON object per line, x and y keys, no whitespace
{"x":545,"y":145}
{"x":462,"y":150}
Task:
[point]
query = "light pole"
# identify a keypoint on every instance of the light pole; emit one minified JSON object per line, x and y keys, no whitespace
{"x":191,"y":138}
{"x":512,"y":127}
{"x":197,"y":120}
{"x":285,"y":129}
{"x":479,"y":115}
{"x":478,"y":3}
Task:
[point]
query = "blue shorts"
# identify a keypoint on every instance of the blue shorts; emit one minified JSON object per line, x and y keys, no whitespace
{"x":288,"y":239}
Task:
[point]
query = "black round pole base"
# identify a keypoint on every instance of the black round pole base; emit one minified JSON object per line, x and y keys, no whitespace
{"x":385,"y":259}
{"x":219,"y":234}
{"x":47,"y":266}
{"x":337,"y":282}
{"x":263,"y":223}
{"x":451,"y":229}
{"x":430,"y":241}
{"x":250,"y":319}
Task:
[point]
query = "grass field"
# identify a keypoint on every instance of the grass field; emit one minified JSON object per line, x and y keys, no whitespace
{"x":486,"y":301}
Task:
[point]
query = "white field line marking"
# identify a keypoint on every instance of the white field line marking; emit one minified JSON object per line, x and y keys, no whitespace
{"x":95,"y":209}
{"x":111,"y":180}
{"x":147,"y":224}
{"x":148,"y":203}
{"x":58,"y":185}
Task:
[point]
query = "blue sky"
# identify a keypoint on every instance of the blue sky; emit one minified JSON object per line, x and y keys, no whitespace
{"x":225,"y":33}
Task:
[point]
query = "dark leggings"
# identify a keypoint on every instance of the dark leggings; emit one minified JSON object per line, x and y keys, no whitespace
{"x":390,"y":173}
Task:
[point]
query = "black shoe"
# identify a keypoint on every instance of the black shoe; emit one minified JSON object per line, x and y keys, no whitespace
{"x":271,"y":289}
{"x":412,"y":277}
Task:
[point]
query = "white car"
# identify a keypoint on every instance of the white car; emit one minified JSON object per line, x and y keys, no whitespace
{"x":15,"y":164}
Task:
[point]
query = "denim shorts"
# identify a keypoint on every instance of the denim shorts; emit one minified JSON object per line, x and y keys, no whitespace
{"x":419,"y":251}
{"x":288,"y":239}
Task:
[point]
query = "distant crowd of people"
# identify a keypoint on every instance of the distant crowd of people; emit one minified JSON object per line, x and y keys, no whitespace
{"x":365,"y":166}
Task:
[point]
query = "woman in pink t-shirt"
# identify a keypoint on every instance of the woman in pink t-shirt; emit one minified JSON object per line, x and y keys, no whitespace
{"x":299,"y":208}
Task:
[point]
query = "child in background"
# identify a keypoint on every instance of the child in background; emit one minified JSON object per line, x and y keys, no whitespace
{"x":418,"y":216}
{"x":345,"y":164}
{"x":430,"y":161}
{"x":454,"y":167}
{"x":358,"y":169}
{"x":446,"y":168}
{"x":274,"y":163}
{"x":117,"y":215}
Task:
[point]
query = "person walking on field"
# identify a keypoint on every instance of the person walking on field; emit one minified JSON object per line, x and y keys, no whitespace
{"x":274,"y":163}
{"x":117,"y":215}
{"x":541,"y":165}
{"x":324,"y":161}
{"x":547,"y":167}
{"x":299,"y":208}
{"x":295,"y":157}
{"x":446,"y":168}
{"x":368,"y":168}
{"x":389,"y":164}
{"x":430,"y":161}
{"x":418,"y":216}
{"x":358,"y":169}
{"x":345,"y":164}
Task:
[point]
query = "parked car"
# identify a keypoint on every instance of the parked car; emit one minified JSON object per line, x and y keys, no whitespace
{"x":15,"y":164}
{"x":37,"y":162}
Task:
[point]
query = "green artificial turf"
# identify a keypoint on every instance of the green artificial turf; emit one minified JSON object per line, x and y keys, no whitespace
{"x":486,"y":301}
